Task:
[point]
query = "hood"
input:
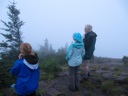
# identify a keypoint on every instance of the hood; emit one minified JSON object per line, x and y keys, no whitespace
{"x":78,"y":45}
{"x":31,"y":61}
{"x":92,"y":34}
{"x":77,"y":37}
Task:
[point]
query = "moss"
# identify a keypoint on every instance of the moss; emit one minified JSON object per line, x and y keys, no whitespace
{"x":88,"y":85}
{"x":40,"y":92}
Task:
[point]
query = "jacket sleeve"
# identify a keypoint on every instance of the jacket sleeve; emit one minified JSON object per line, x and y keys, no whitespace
{"x":16,"y":68}
{"x":69,"y":53}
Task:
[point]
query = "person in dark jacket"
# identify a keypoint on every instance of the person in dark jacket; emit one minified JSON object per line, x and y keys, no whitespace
{"x":89,"y":45}
{"x":26,"y":69}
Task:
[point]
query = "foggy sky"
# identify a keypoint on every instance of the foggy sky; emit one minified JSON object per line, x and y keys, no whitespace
{"x":57,"y":20}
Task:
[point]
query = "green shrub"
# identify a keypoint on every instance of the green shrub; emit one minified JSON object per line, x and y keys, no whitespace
{"x":116,"y":91}
{"x":88,"y":85}
{"x":106,"y":86}
{"x":126,"y":64}
{"x":6,"y":79}
{"x":109,"y":88}
{"x":89,"y":94}
{"x":125,"y":59}
{"x":50,"y":67}
{"x":117,"y":71}
{"x":40,"y":92}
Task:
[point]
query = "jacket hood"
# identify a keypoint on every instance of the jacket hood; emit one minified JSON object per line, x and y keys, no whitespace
{"x":92,"y":34}
{"x":31,"y":61}
{"x":78,"y":45}
{"x":77,"y":37}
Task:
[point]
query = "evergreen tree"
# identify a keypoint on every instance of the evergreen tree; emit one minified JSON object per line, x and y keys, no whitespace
{"x":62,"y":50}
{"x":46,"y":49}
{"x":13,"y":36}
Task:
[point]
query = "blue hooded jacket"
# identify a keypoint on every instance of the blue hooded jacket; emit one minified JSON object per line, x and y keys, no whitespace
{"x":75,"y":51}
{"x":27,"y":72}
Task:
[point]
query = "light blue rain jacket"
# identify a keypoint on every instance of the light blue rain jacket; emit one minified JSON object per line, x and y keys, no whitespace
{"x":75,"y":51}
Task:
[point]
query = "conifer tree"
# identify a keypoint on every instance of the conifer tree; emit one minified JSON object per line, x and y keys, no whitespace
{"x":9,"y":48}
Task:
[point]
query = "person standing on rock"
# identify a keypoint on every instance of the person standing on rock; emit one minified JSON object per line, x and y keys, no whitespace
{"x":89,"y":45}
{"x":26,"y":69}
{"x":74,"y":57}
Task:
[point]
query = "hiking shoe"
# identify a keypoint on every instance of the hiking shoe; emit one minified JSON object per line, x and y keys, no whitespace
{"x":76,"y":88}
{"x":13,"y":86}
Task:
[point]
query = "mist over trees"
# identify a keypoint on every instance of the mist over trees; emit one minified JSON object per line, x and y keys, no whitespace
{"x":46,"y":49}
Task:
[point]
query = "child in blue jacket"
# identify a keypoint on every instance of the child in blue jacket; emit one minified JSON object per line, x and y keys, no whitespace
{"x":26,"y":69}
{"x":74,"y":57}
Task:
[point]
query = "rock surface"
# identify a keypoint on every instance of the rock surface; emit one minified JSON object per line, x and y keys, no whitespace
{"x":101,"y":70}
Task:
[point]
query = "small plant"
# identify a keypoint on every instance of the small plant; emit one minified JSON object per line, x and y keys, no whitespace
{"x":126,"y":64}
{"x":64,"y":68}
{"x":6,"y":79}
{"x":89,"y":94}
{"x":116,"y":91}
{"x":106,"y":86}
{"x":125,"y":59}
{"x":109,"y":88}
{"x":105,"y":68}
{"x":117,"y":71}
{"x":40,"y":92}
{"x":88,"y":85}
{"x":43,"y":77}
{"x":50,"y":67}
{"x":95,"y":67}
{"x":98,"y":76}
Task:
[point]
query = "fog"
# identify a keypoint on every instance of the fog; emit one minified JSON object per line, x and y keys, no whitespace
{"x":57,"y":20}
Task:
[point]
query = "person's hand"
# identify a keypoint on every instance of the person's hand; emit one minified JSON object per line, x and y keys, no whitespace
{"x":20,"y":56}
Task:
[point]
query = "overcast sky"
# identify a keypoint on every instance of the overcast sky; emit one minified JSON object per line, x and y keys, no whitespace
{"x":57,"y":20}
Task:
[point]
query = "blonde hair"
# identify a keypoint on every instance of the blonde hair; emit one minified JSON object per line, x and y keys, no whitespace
{"x":26,"y":48}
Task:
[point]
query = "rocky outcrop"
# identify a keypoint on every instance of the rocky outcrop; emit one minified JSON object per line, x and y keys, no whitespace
{"x":100,"y":71}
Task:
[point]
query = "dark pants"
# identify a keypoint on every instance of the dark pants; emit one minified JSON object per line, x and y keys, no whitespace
{"x":33,"y":94}
{"x":74,"y":77}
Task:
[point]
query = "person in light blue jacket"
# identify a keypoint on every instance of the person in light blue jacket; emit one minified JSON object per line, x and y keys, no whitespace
{"x":74,"y":57}
{"x":26,"y":69}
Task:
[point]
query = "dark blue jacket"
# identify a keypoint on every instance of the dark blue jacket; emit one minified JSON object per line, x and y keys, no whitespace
{"x":89,"y":45}
{"x":27,"y":72}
